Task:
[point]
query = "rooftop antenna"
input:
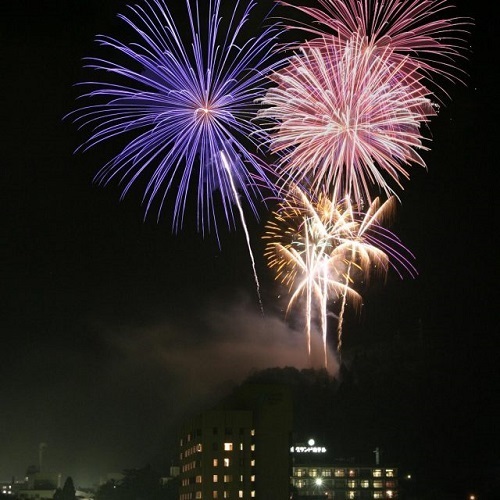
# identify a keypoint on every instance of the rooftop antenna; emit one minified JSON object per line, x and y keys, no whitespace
{"x":377,"y":455}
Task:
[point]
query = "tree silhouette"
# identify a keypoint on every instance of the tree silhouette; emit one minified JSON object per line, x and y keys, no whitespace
{"x":67,"y":492}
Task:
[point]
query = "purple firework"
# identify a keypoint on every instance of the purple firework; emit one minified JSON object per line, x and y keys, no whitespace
{"x":188,"y":96}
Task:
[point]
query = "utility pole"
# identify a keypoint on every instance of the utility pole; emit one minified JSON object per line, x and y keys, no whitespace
{"x":41,"y":449}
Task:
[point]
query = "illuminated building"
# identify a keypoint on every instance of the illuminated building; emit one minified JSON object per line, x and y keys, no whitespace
{"x":6,"y":489}
{"x":239,"y":449}
{"x":314,"y":477}
{"x":39,"y":485}
{"x":338,"y":481}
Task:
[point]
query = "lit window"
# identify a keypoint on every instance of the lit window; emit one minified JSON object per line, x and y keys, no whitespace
{"x":252,"y":447}
{"x":252,"y":478}
{"x":226,"y":462}
{"x":389,"y":472}
{"x":352,"y":494}
{"x":198,"y":494}
{"x":390,"y":484}
{"x":215,"y":478}
{"x":378,"y":484}
{"x":352,"y":473}
{"x":252,"y":463}
{"x":377,"y":472}
{"x":214,"y":494}
{"x":198,"y":479}
{"x":199,"y":447}
{"x":389,"y":494}
{"x":226,"y":494}
{"x":327,"y":473}
{"x":365,"y":483}
{"x":378,"y":494}
{"x":228,"y":446}
{"x":228,"y":478}
{"x":299,"y":473}
{"x":252,"y":432}
{"x":215,"y":462}
{"x":352,"y":483}
{"x":252,"y":493}
{"x":313,"y":472}
{"x":241,"y":446}
{"x":339,"y":472}
{"x":240,"y":494}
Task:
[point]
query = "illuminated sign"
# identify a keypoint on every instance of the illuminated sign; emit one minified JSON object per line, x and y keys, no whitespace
{"x":309,"y":448}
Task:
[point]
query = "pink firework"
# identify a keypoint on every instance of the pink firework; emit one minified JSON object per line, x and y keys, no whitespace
{"x":346,"y":117}
{"x":418,"y":29}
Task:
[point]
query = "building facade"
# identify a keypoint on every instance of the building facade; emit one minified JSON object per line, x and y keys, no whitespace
{"x":239,"y":449}
{"x":338,"y":481}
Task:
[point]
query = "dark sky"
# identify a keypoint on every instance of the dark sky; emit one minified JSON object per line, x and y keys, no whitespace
{"x":112,"y":327}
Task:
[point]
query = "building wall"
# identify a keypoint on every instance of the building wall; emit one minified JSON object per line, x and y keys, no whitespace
{"x":35,"y":494}
{"x":274,"y":424}
{"x":341,"y":482}
{"x":216,"y":456}
{"x":240,"y":449}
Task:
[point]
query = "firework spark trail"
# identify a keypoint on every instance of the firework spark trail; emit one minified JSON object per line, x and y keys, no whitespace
{"x":325,"y":249}
{"x":344,"y":118}
{"x":318,"y":267}
{"x":343,"y":303}
{"x":244,"y":224}
{"x":179,"y":96}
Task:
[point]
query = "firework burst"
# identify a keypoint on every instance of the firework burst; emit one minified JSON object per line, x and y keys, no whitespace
{"x":344,"y":118}
{"x":420,"y":32}
{"x":186,"y":98}
{"x":301,"y":250}
{"x":323,"y":250}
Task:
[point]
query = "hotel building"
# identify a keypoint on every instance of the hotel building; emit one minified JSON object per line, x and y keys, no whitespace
{"x":239,"y":449}
{"x":316,"y":475}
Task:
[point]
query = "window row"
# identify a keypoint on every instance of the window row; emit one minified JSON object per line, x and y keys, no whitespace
{"x":226,"y":462}
{"x":197,"y":448}
{"x":228,"y":446}
{"x":216,"y":494}
{"x":350,"y":483}
{"x":341,"y":472}
{"x":228,"y":478}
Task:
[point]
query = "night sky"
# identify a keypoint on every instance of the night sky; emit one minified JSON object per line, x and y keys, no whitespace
{"x":112,"y":327}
